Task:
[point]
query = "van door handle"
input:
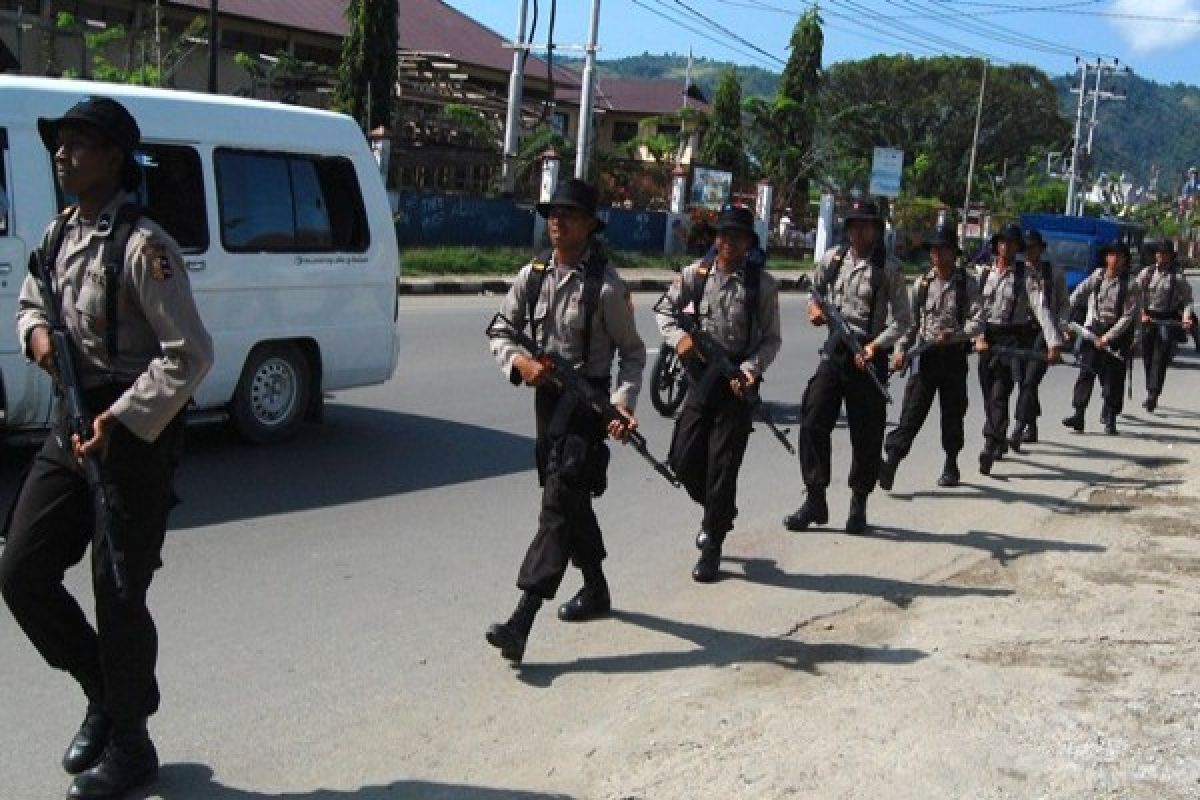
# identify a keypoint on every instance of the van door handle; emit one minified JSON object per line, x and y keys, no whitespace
{"x":5,"y":268}
{"x":195,"y":266}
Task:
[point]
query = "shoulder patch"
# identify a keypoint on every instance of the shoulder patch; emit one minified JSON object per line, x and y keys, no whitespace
{"x":158,"y":263}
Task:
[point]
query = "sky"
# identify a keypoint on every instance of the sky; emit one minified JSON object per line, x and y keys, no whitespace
{"x":1158,"y":39}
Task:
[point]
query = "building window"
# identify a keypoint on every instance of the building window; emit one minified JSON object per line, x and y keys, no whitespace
{"x":326,"y":56}
{"x":276,"y":202}
{"x":4,"y":202}
{"x":624,"y":132}
{"x":668,"y":130}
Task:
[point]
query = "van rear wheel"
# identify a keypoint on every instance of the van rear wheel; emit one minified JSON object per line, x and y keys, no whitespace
{"x":272,"y":394}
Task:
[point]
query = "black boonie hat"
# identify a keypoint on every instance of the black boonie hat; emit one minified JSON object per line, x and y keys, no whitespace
{"x":943,"y":235}
{"x":863,"y":209}
{"x":573,"y":193}
{"x":1165,"y":246}
{"x":1010,"y":232}
{"x":110,"y":120}
{"x":1115,"y":247}
{"x":736,"y":218}
{"x":1033,"y":237}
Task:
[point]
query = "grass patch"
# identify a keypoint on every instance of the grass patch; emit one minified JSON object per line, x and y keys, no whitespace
{"x":417,"y":261}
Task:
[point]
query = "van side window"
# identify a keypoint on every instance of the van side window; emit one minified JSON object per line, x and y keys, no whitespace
{"x":286,"y":203}
{"x":4,"y":201}
{"x":172,"y":193}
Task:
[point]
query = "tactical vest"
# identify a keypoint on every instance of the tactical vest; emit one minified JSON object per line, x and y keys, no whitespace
{"x":593,"y":282}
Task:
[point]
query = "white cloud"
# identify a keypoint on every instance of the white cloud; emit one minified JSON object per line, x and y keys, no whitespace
{"x":1146,"y":36}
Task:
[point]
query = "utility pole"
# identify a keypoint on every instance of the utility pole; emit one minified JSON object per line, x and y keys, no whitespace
{"x":974,"y":145}
{"x":516,"y":88}
{"x":587,"y":97}
{"x":1072,"y":176}
{"x":212,"y":46}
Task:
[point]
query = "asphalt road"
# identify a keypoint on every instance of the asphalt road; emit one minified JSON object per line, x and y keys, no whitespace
{"x":323,"y":602}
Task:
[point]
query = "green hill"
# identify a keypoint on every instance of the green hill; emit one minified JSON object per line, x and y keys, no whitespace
{"x":705,"y":72}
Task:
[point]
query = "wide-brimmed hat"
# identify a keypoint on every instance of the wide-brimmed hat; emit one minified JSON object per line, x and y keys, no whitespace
{"x":573,"y":193}
{"x":736,"y":218}
{"x":1165,"y":246}
{"x":1011,"y":233}
{"x":863,"y":209}
{"x":1034,"y":239}
{"x":1115,"y":247}
{"x":107,"y":118}
{"x":942,"y":236}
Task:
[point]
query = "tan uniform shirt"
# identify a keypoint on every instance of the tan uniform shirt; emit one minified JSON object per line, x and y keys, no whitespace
{"x":1100,"y":293}
{"x":163,"y":349}
{"x":852,"y":294}
{"x":722,"y":310}
{"x":1004,"y":303}
{"x":560,"y":314}
{"x":1164,"y":291}
{"x":940,"y":313}
{"x":1058,"y":299}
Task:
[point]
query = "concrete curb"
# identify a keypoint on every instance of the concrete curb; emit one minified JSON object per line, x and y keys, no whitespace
{"x":492,"y":286}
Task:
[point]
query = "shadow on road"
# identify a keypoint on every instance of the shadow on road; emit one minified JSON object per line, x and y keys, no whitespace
{"x":356,"y":454}
{"x":714,"y":648}
{"x":766,"y":572}
{"x":195,"y":782}
{"x":1002,"y":547}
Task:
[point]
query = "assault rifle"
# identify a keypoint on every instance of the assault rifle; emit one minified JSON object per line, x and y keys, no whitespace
{"x":1091,"y":337}
{"x":79,"y":423}
{"x":718,"y":366}
{"x":912,"y":356}
{"x":571,"y":381}
{"x":840,"y":330}
{"x":1027,"y":354}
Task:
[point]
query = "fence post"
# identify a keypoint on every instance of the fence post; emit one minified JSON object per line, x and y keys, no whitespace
{"x":551,"y":161}
{"x":675,"y":239}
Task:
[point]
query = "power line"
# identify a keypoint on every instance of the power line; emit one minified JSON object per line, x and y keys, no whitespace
{"x":699,"y":32}
{"x":726,"y":31}
{"x":950,"y":46}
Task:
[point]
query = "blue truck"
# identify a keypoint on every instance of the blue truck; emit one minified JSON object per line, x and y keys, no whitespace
{"x":1073,"y":243}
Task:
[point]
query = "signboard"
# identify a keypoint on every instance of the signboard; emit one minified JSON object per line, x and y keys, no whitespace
{"x":885,"y":172}
{"x":710,"y":188}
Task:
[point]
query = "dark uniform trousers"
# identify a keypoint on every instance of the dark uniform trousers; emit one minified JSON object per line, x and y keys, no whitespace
{"x":941,"y":371}
{"x":997,"y":376}
{"x":1029,"y":404}
{"x":837,"y":379}
{"x":51,"y":528}
{"x":706,"y":453}
{"x":572,"y":461}
{"x":1095,"y":363}
{"x":1158,"y":349}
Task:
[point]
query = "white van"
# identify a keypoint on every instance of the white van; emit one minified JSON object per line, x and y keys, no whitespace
{"x":286,"y":232}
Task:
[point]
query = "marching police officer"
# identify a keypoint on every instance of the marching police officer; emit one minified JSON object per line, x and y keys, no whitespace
{"x":1057,"y":300}
{"x":578,"y":307}
{"x":1011,"y":311}
{"x":141,"y":350}
{"x":1112,"y":304}
{"x":869,"y":290}
{"x":1165,"y":297}
{"x":944,"y":301}
{"x":733,"y":300}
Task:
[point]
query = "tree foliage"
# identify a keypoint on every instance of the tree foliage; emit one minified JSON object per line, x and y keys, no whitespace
{"x":935,"y":122}
{"x":367,"y":72}
{"x":722,"y":145}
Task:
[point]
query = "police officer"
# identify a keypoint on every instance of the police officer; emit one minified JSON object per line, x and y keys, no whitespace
{"x":1011,"y":312}
{"x":1112,"y":303}
{"x":578,"y":307}
{"x":868,"y":288}
{"x":736,"y":302}
{"x":1057,"y":300}
{"x":944,"y":301}
{"x":1165,"y":296}
{"x":141,"y":350}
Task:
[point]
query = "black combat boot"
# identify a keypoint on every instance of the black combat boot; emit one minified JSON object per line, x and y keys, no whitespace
{"x":510,"y":637}
{"x":949,"y":476}
{"x":708,"y":567}
{"x":887,"y":472}
{"x":128,"y":762}
{"x":814,"y":512}
{"x":1018,"y":437}
{"x":703,"y":539}
{"x":1150,"y":403}
{"x":591,"y":601}
{"x":856,"y":520}
{"x":1075,"y":421}
{"x":987,"y":457}
{"x":89,"y":741}
{"x":1031,"y":434}
{"x":1110,"y":424}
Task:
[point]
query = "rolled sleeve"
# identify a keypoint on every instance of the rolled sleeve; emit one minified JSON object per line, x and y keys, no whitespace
{"x":769,"y":324}
{"x":31,"y":313}
{"x":631,"y":350}
{"x":1042,"y":313}
{"x":503,"y":348}
{"x":901,"y":316}
{"x":668,"y":326}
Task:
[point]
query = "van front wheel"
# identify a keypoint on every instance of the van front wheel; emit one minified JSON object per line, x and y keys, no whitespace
{"x":271,"y":394}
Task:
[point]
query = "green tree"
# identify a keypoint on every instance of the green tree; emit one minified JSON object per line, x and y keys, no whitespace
{"x":722,"y":146}
{"x":367,"y":73}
